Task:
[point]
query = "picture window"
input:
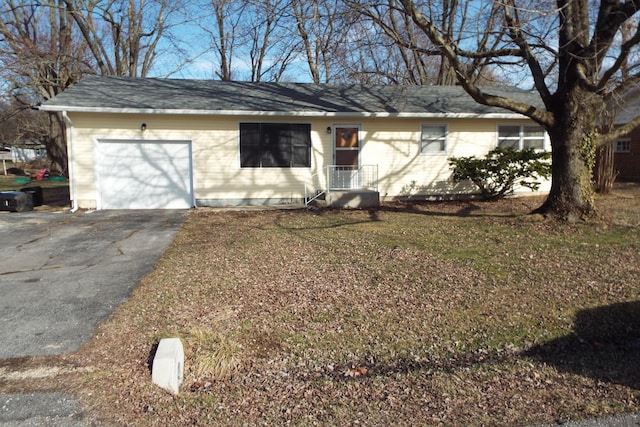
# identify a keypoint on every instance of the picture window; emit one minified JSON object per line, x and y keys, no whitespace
{"x":275,"y":145}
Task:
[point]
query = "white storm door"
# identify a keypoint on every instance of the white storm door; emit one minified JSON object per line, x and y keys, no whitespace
{"x":346,"y":158}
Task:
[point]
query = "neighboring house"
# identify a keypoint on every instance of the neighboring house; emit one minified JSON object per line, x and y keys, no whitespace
{"x":28,"y":151}
{"x":159,"y":143}
{"x":627,"y":149}
{"x":626,"y":152}
{"x":5,"y":152}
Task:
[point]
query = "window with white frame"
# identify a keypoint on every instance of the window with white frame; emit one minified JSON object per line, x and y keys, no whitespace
{"x":521,"y":137}
{"x":433,"y":139}
{"x":622,"y":146}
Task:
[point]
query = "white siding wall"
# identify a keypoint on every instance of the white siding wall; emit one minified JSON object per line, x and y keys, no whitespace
{"x":405,"y":171}
{"x":392,"y":144}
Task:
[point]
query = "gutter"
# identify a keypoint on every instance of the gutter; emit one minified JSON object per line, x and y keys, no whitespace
{"x":300,"y":113}
{"x":71,"y":162}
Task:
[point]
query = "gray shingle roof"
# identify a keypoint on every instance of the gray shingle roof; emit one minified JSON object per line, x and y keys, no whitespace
{"x":149,"y":95}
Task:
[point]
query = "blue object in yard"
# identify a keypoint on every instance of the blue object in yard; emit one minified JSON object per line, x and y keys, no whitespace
{"x":15,"y":201}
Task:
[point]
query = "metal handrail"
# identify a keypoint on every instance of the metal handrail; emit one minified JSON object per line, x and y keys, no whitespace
{"x":318,"y":193}
{"x":364,"y":177}
{"x":311,"y":199}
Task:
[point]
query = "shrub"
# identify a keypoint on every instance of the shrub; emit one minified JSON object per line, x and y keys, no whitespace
{"x":502,"y":169}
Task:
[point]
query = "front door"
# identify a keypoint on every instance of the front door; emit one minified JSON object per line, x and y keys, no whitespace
{"x":346,"y":157}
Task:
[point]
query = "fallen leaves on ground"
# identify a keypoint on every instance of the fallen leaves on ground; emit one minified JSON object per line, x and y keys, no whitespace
{"x":462,"y":313}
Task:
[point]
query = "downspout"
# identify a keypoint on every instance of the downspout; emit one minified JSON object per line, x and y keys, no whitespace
{"x":71,"y":163}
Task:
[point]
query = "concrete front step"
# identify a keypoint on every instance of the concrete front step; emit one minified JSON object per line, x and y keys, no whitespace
{"x":353,"y":199}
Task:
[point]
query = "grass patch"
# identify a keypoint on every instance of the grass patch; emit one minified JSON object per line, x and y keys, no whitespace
{"x":214,"y":356}
{"x":446,"y":313}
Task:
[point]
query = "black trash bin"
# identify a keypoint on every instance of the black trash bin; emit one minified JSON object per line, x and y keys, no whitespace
{"x":36,"y":195}
{"x":15,"y":201}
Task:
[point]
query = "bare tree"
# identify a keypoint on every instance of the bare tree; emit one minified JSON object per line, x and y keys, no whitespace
{"x":224,"y":26}
{"x":605,"y":173}
{"x":415,"y":58}
{"x":571,"y":52}
{"x":123,"y":36}
{"x":323,"y":28}
{"x":48,"y":45}
{"x":375,"y":57}
{"x":271,"y":47}
{"x":40,"y":56}
{"x":260,"y":40}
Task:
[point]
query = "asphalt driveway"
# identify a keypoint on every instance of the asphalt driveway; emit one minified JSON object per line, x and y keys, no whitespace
{"x":63,"y":273}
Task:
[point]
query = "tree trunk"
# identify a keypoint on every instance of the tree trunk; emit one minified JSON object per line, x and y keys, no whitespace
{"x":56,"y":144}
{"x":571,"y":194}
{"x":605,"y":171}
{"x":573,"y":142}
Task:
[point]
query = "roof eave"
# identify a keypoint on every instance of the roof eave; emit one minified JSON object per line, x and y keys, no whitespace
{"x":339,"y":114}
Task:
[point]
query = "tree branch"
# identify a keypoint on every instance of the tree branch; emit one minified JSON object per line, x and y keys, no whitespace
{"x":473,"y":90}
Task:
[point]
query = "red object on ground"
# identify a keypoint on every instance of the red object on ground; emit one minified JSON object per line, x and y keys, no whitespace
{"x":44,"y":173}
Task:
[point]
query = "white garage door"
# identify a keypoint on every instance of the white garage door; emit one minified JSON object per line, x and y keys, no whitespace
{"x":144,"y":174}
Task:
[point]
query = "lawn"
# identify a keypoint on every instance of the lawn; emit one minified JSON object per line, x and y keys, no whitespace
{"x":466,"y":313}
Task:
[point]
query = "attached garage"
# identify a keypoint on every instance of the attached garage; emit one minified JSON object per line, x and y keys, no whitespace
{"x":143,"y":174}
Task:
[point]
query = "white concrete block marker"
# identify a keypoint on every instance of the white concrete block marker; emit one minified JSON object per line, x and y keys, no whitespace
{"x":168,"y":364}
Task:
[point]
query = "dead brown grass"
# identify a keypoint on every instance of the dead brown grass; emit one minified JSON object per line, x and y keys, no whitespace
{"x":463,"y":313}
